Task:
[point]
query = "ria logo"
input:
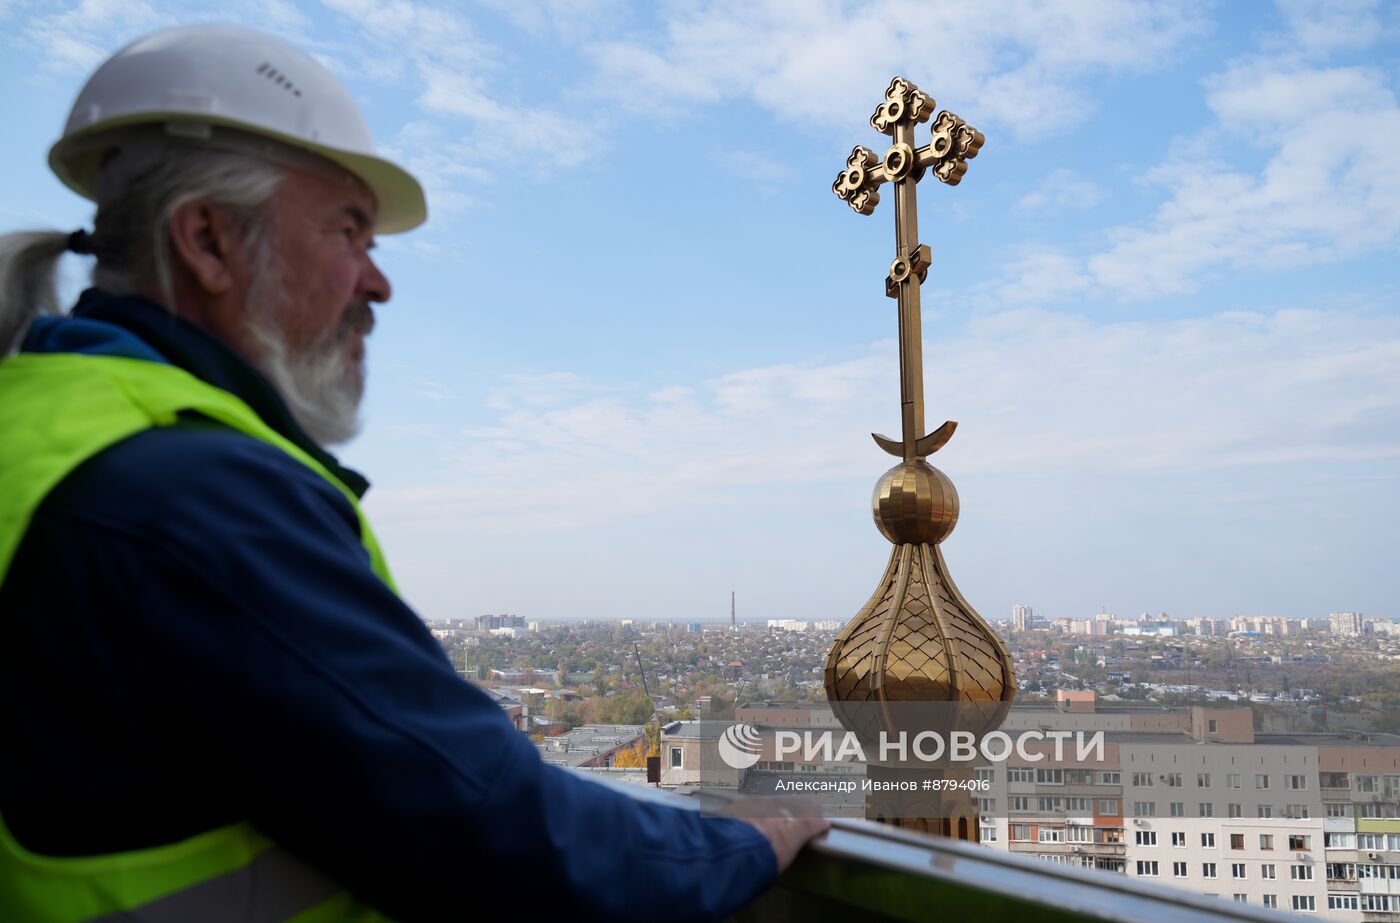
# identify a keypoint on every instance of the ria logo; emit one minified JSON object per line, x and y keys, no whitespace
{"x":740,"y":746}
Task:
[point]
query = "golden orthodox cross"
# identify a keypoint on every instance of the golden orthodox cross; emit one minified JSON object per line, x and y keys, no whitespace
{"x":954,"y":143}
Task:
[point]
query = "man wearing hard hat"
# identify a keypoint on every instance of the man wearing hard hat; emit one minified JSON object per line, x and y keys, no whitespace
{"x":213,"y":704}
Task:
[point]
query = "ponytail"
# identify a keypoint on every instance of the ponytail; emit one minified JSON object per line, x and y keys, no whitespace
{"x":28,"y":264}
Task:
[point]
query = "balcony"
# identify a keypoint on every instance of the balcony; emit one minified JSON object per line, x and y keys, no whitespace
{"x":863,"y":872}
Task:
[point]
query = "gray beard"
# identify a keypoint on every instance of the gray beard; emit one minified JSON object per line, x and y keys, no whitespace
{"x":321,"y":384}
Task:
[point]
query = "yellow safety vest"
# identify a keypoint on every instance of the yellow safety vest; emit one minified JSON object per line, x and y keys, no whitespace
{"x":56,"y":411}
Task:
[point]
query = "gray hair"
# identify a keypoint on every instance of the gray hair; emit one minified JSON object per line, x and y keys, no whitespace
{"x":145,"y":179}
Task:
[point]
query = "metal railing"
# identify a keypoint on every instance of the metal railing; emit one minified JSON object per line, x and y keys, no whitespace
{"x":864,"y":871}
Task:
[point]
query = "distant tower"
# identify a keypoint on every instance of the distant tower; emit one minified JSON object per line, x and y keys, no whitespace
{"x":1022,"y":618}
{"x":732,"y":623}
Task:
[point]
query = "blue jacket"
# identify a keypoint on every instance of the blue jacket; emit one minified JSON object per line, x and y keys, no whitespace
{"x":191,"y":635}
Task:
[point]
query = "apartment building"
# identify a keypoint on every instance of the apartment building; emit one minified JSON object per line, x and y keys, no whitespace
{"x":1360,"y":788}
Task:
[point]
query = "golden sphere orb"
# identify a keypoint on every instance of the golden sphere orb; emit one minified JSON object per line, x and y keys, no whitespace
{"x":915,"y":504}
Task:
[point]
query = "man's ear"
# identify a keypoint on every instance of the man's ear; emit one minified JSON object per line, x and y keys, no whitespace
{"x":205,"y":245}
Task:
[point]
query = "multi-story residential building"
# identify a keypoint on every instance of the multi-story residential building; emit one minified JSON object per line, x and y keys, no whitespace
{"x":1273,"y":862}
{"x":1306,"y":822}
{"x":1022,"y":618}
{"x":496,"y":622}
{"x":1360,"y":786}
{"x":1347,"y":624}
{"x":1188,"y":797}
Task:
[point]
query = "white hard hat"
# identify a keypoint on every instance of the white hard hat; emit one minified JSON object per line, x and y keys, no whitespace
{"x":194,"y":79}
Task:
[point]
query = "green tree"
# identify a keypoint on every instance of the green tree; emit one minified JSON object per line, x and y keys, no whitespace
{"x":631,"y":707}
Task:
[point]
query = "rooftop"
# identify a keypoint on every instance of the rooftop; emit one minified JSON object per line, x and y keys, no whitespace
{"x":702,"y":730}
{"x":576,"y":747}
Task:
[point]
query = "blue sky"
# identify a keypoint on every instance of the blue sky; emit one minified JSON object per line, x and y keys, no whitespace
{"x":632,"y":361}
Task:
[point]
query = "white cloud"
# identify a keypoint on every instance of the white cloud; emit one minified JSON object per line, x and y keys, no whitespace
{"x":1329,"y":191}
{"x":568,"y":18}
{"x":1034,"y":390}
{"x":1064,"y":189}
{"x":1018,"y":64}
{"x":432,"y":390}
{"x":1327,"y":25}
{"x":761,"y":167}
{"x":458,"y":75}
{"x":542,"y":390}
{"x":1042,"y":276}
{"x":75,"y":40}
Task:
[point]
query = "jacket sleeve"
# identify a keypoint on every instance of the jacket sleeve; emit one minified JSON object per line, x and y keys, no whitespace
{"x":314,"y":697}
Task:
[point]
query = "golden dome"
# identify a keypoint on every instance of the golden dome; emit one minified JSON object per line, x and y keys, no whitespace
{"x":917,"y":640}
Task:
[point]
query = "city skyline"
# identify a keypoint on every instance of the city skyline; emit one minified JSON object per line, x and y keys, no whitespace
{"x":633,"y":359}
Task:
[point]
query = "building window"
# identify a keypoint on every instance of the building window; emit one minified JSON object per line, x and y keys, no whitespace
{"x":1079,"y":834}
{"x":1145,"y":808}
{"x":1173,"y":780}
{"x":1296,"y":783}
{"x":1020,"y":774}
{"x":1341,"y":871}
{"x":1179,"y":838}
{"x":983,"y":775}
{"x":1146,"y":868}
{"x":1261,"y":781}
{"x":1266,"y":810}
{"x":1237,"y":841}
{"x":1020,"y":803}
{"x":1208,"y":840}
{"x":1266,"y":841}
{"x":1177,"y":808}
{"x":1205,"y":809}
{"x":1296,"y":811}
{"x":1208,"y":869}
{"x":1300,"y":872}
{"x":1146,"y":838}
{"x":1052,"y":834}
{"x":1241,"y":898}
{"x":1232,"y":780}
{"x":1234,"y":810}
{"x":1178,"y":869}
{"x":1050,"y":777}
{"x":1020,"y":831}
{"x":1335,"y":809}
{"x":1142,"y":779}
{"x":1271,"y":900}
{"x":1305,"y":903}
{"x":1370,"y":841}
{"x":1078,"y":806}
{"x":1111,"y":778}
{"x":986,"y":805}
{"x":1108,"y":806}
{"x":1203,"y":780}
{"x":1212,"y":726}
{"x":1237,"y":870}
{"x":676,"y":757}
{"x":987,"y":833}
{"x":1267,"y":870}
{"x":1299,"y":841}
{"x":1342,"y":902}
{"x":1050,"y":805}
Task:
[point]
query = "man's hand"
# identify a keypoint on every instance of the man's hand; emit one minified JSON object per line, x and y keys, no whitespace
{"x":789,"y":823}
